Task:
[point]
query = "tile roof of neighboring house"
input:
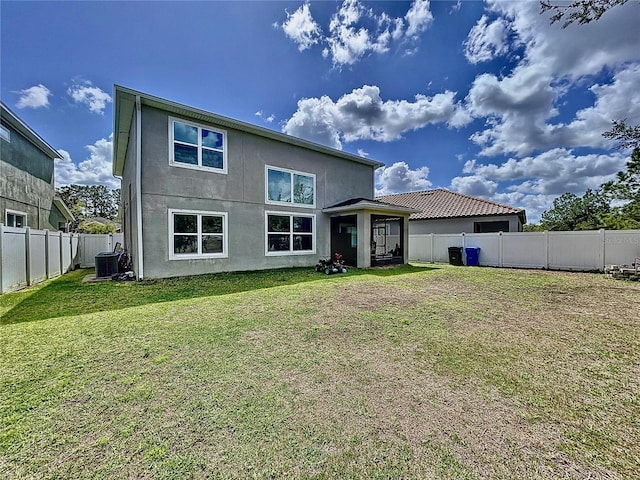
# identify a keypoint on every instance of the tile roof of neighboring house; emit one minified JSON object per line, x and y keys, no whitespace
{"x":442,"y":203}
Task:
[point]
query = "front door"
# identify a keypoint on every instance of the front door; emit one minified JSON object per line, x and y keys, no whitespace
{"x":344,"y":238}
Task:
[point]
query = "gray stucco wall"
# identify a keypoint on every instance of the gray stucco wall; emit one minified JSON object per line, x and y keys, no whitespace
{"x":26,"y":182}
{"x":459,"y":225}
{"x":240,"y":193}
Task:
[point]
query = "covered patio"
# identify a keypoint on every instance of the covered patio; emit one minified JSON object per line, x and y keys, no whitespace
{"x":370,"y":233}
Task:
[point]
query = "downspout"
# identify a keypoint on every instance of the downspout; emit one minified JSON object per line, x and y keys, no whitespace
{"x":138,"y":187}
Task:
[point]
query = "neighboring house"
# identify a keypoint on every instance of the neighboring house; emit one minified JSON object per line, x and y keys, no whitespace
{"x":442,"y":211}
{"x":27,"y":190}
{"x":204,"y":193}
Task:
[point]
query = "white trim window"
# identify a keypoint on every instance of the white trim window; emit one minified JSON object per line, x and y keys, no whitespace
{"x":289,"y":187}
{"x":196,"y":146}
{"x":14,"y":218}
{"x":5,"y":134}
{"x":197,"y":234}
{"x":289,"y":234}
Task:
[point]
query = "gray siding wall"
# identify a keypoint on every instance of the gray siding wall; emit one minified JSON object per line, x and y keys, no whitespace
{"x":459,"y":225}
{"x":26,"y":182}
{"x":240,"y":193}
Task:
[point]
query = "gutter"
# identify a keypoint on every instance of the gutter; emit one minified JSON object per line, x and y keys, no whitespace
{"x":138,"y":187}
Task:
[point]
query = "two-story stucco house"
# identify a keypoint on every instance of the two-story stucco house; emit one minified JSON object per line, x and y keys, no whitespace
{"x":202,"y":193}
{"x":27,"y":190}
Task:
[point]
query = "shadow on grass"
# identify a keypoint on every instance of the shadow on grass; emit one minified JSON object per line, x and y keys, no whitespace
{"x":68,"y":296}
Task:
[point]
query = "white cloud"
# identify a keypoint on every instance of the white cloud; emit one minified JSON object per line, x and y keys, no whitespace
{"x":363,"y":115}
{"x":355,"y":31}
{"x":399,"y":178}
{"x":534,"y":181}
{"x":95,"y":98}
{"x":519,"y":107}
{"x":348,"y":42}
{"x":486,"y":40}
{"x":34,"y":97}
{"x":553,"y":172}
{"x":418,"y":18}
{"x":95,"y":170}
{"x":268,"y":119}
{"x":474,"y":185}
{"x":302,"y":28}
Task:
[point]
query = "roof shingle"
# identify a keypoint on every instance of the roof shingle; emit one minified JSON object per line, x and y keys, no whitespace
{"x":441,"y":203}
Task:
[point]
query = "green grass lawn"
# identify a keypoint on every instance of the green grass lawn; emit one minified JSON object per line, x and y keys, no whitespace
{"x":412,"y":372}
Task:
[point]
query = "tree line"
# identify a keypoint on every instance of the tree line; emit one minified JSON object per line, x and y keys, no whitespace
{"x":615,"y":205}
{"x":95,"y":207}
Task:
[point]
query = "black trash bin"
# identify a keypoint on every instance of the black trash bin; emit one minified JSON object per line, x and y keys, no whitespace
{"x":455,"y":256}
{"x":106,"y":264}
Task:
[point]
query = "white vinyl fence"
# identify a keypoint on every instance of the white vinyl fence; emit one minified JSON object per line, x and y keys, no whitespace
{"x":574,"y":251}
{"x":30,"y":256}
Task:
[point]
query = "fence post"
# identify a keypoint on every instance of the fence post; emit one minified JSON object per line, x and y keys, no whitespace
{"x":501,"y":246}
{"x":27,"y":248}
{"x":61,"y":253}
{"x":46,"y":253}
{"x":110,"y":243}
{"x":603,"y":235}
{"x":546,"y":250}
{"x":1,"y":263}
{"x":431,"y":240}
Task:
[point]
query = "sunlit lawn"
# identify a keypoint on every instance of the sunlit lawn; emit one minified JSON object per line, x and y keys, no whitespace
{"x":415,"y":372}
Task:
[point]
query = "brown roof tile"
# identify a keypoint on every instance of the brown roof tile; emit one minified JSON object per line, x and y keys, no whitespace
{"x":443,"y":203}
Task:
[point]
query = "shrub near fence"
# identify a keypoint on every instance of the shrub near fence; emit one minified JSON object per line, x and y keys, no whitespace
{"x":30,"y":256}
{"x":573,"y":251}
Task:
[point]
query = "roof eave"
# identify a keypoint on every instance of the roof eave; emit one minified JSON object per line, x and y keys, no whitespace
{"x":520,"y":214}
{"x":370,"y":206}
{"x":63,"y":208}
{"x":202,"y":115}
{"x":15,"y":121}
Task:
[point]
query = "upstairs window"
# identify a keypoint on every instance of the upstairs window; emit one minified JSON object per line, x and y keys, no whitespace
{"x":288,"y":187}
{"x":16,"y":219}
{"x":197,"y":146}
{"x":5,"y":134}
{"x":197,"y":234}
{"x":289,"y":234}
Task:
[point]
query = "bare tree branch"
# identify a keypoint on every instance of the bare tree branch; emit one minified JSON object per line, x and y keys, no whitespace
{"x":581,"y":11}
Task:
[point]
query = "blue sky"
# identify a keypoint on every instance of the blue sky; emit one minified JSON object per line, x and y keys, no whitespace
{"x":484,"y":98}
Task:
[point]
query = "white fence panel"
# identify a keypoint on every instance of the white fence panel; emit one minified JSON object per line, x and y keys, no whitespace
{"x":54,"y":259}
{"x":621,"y":247}
{"x":91,"y":245}
{"x":524,"y":250}
{"x":420,"y":247}
{"x":441,"y":244}
{"x":31,"y":256}
{"x":576,"y":250}
{"x":65,"y":252}
{"x":37,"y":269}
{"x":14,"y":258}
{"x":75,"y":251}
{"x":582,"y":251}
{"x":489,"y":244}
